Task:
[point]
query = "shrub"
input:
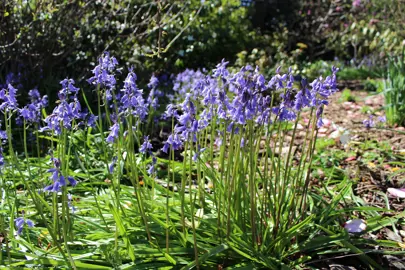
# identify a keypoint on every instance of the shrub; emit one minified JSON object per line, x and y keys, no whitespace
{"x":43,"y":41}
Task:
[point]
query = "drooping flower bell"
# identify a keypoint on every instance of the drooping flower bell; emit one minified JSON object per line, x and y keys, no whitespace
{"x":58,"y":179}
{"x":20,"y":223}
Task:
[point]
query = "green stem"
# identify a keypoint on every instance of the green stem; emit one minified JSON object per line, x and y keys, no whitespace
{"x":192,"y":206}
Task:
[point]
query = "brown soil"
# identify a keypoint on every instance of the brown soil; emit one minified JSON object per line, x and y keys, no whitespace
{"x":372,"y":177}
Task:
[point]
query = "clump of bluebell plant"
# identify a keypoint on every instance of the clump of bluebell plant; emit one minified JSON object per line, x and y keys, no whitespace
{"x":230,"y":116}
{"x":232,"y":111}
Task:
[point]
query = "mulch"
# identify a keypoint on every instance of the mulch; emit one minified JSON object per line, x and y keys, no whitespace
{"x":344,"y":123}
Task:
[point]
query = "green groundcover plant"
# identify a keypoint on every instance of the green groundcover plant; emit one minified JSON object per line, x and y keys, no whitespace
{"x":224,"y":189}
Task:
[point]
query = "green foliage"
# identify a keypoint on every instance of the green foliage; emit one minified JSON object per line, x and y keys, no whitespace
{"x":369,"y":30}
{"x":347,"y":96}
{"x":323,"y":143}
{"x":49,"y":40}
{"x":371,"y":86}
{"x":315,"y":69}
{"x":367,"y":109}
{"x":362,"y":73}
{"x":394,"y":92}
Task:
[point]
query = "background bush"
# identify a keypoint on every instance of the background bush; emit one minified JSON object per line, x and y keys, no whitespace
{"x":42,"y":41}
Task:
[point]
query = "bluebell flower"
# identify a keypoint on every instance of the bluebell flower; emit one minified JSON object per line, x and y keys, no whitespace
{"x":185,"y":118}
{"x":303,"y":97}
{"x":68,"y":110}
{"x":72,"y":181}
{"x":171,"y":111}
{"x":189,"y":82}
{"x":152,"y":100}
{"x":264,"y":117}
{"x":197,"y":153}
{"x":188,"y":105}
{"x":1,"y":157}
{"x":70,"y":204}
{"x":146,"y":146}
{"x":322,"y":89}
{"x":114,"y":132}
{"x":319,"y":112}
{"x":8,"y":96}
{"x":277,"y":81}
{"x":154,"y":82}
{"x":174,"y":141}
{"x":212,"y":93}
{"x":248,"y":103}
{"x":68,"y":87}
{"x":132,"y":101}
{"x":286,"y":115}
{"x":259,"y":80}
{"x":36,"y":99}
{"x":91,"y":120}
{"x":221,"y":70}
{"x":369,"y":123}
{"x":20,"y":222}
{"x":32,"y":112}
{"x":188,"y":124}
{"x":112,"y":165}
{"x":219,"y":139}
{"x":87,"y":119}
{"x":104,"y":74}
{"x":13,"y":79}
{"x":166,"y":147}
{"x":57,"y":178}
{"x":382,"y":119}
{"x":246,"y":3}
{"x":151,"y":168}
{"x":34,"y":94}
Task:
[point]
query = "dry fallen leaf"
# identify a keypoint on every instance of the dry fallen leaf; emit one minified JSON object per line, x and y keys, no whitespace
{"x":350,"y":158}
{"x":371,"y":165}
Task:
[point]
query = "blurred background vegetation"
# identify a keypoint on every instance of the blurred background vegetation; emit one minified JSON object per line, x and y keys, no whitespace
{"x":44,"y":41}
